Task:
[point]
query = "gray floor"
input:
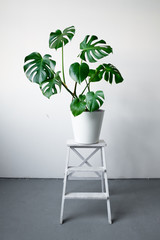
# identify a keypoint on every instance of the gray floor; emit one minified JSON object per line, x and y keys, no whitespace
{"x":30,"y":209}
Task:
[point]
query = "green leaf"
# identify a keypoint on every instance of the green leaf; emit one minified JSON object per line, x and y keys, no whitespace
{"x":48,"y":87}
{"x":95,"y":75}
{"x":82,"y":97}
{"x":94,"y":100}
{"x":38,"y":68}
{"x":78,"y":105}
{"x":57,"y":39}
{"x":93,"y":50}
{"x":78,"y":72}
{"x":108,"y":71}
{"x":111,"y":72}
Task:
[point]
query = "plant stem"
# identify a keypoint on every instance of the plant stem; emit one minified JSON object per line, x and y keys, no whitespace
{"x":75,"y":88}
{"x":65,"y":86}
{"x":86,"y":88}
{"x":88,"y":85}
{"x":63,"y":66}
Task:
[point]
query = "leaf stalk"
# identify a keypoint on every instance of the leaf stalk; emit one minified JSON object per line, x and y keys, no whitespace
{"x":63,"y":65}
{"x":87,"y":85}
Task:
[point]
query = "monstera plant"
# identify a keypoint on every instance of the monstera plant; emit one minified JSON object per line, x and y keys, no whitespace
{"x":41,"y":70}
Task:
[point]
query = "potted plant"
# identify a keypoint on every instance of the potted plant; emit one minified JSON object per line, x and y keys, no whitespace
{"x":85,"y":104}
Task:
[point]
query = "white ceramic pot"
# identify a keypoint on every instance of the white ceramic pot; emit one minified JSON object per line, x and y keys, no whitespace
{"x":87,"y":126}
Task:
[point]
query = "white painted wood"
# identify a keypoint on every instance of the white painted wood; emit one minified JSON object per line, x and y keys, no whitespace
{"x":106,"y":185}
{"x":72,"y":143}
{"x":102,"y":181}
{"x":86,"y":195}
{"x":87,"y":169}
{"x":92,"y":154}
{"x":85,"y":160}
{"x":64,"y":185}
{"x":78,"y":178}
{"x":101,"y":171}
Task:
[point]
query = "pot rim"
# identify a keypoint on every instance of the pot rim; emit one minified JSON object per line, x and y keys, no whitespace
{"x":99,"y":110}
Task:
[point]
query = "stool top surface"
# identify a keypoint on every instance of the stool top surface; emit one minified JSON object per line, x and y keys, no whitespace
{"x":72,"y":143}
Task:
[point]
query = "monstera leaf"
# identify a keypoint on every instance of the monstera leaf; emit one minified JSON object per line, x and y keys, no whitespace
{"x":58,"y":39}
{"x":106,"y":71}
{"x":94,"y":50}
{"x":48,"y":87}
{"x":78,"y":72}
{"x":96,"y":75}
{"x":94,"y":100}
{"x":78,"y":105}
{"x":111,"y":72}
{"x":38,"y":68}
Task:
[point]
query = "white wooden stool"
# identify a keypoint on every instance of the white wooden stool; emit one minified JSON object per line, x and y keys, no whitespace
{"x":101,"y":173}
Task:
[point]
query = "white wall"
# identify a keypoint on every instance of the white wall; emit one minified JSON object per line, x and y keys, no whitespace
{"x":34,"y":130}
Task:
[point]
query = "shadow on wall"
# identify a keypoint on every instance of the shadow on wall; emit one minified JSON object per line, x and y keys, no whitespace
{"x":134,"y":145}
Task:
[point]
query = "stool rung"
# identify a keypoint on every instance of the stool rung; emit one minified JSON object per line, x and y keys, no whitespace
{"x":88,"y":169}
{"x":86,"y":195}
{"x":84,"y":167}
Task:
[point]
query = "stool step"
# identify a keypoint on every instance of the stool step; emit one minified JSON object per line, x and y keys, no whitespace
{"x":87,"y":169}
{"x":86,"y":195}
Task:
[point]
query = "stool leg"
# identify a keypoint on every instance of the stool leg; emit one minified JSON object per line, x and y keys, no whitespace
{"x":64,"y":186}
{"x":102,"y":174}
{"x":106,"y":186}
{"x":102,"y":181}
